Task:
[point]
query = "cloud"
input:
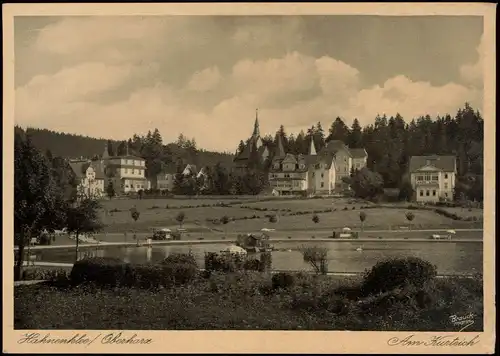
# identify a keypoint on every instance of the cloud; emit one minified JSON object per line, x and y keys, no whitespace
{"x":205,"y":80}
{"x":181,"y":77}
{"x":473,"y":73}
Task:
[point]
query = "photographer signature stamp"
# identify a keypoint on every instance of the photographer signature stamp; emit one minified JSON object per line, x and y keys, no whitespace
{"x":462,"y":321}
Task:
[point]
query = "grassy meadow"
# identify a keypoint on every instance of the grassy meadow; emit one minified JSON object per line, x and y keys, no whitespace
{"x":248,"y":214}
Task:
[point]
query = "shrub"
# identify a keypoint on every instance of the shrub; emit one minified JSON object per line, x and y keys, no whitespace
{"x":103,"y":271}
{"x":223,"y":262}
{"x":252,"y":265}
{"x":398,"y":272}
{"x":282,"y":280}
{"x":315,"y":218}
{"x":187,"y":258}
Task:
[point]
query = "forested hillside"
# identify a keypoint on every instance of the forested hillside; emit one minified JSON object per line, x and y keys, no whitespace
{"x":391,"y":141}
{"x":73,"y":146}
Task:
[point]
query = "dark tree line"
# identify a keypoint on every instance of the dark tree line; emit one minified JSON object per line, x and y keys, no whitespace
{"x":151,"y":147}
{"x":391,"y":141}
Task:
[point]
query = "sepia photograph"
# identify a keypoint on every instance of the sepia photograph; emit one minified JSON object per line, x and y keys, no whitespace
{"x":250,"y":171}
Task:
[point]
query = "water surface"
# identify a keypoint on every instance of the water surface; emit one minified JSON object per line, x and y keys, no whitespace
{"x":449,"y":257}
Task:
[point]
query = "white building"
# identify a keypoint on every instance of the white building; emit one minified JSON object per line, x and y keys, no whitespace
{"x":433,"y":177}
{"x":302,"y":174}
{"x":90,"y":178}
{"x":128,"y":172}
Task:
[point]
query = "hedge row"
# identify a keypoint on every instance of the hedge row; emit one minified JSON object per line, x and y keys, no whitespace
{"x":113,"y":272}
{"x":228,"y":262}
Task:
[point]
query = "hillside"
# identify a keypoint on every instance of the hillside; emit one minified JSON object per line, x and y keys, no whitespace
{"x":72,"y":146}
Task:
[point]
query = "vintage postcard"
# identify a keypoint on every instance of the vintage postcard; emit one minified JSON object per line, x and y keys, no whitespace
{"x":246,"y":178}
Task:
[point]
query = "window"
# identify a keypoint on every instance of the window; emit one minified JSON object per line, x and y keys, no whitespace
{"x":428,"y":162}
{"x":446,"y":176}
{"x":445,"y":185}
{"x":420,"y":177}
{"x":313,"y":174}
{"x":427,"y":193}
{"x":126,"y":185}
{"x":433,"y":193}
{"x":322,"y":184}
{"x":446,"y":195}
{"x":421,"y":193}
{"x":322,"y":175}
{"x":434,"y":177}
{"x":137,"y":186}
{"x":427,"y":177}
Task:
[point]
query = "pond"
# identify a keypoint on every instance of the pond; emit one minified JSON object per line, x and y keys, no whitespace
{"x":343,"y":256}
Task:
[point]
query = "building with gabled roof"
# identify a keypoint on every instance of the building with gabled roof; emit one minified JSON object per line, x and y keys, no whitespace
{"x":343,"y":162}
{"x":90,"y":178}
{"x":302,"y":174}
{"x":433,"y":177}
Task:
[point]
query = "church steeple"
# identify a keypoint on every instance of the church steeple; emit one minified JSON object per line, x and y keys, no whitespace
{"x":256,"y":130}
{"x":312,"y":148}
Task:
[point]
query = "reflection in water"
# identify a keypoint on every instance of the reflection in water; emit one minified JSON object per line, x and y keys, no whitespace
{"x":342,"y":256}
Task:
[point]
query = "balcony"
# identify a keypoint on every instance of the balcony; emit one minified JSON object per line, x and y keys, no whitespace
{"x":427,"y":183}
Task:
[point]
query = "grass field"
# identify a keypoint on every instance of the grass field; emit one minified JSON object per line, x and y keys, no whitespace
{"x":162,"y":213}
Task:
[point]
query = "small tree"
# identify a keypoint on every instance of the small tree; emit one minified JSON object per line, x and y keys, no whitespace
{"x":134,"y":213}
{"x":362,"y":217}
{"x":315,"y":218}
{"x":83,"y":218}
{"x":410,"y":216}
{"x":180,"y":218}
{"x":273,"y":219}
{"x":224,"y":220}
{"x":316,"y":257}
{"x":110,"y":190}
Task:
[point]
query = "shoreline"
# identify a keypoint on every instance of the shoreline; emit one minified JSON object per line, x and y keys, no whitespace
{"x":223,"y":241}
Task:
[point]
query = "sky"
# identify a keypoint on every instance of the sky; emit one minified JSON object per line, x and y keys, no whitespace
{"x":204,"y":76}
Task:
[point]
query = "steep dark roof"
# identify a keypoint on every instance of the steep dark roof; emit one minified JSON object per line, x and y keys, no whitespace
{"x":80,"y":168}
{"x":309,"y":160}
{"x":358,"y":152}
{"x":444,"y":163}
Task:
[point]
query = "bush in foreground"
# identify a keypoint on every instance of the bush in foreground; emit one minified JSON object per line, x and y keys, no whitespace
{"x":246,"y":301}
{"x":395,"y":273}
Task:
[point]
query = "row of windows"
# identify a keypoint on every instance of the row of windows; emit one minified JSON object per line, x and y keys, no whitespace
{"x":134,"y":162}
{"x":429,"y":177}
{"x":139,"y":171}
{"x":138,"y":186}
{"x":428,"y":193}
